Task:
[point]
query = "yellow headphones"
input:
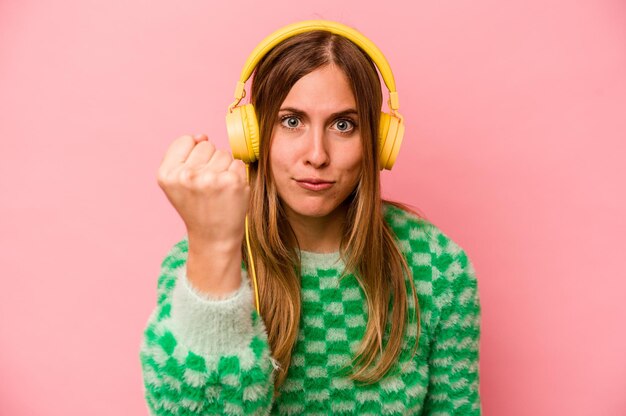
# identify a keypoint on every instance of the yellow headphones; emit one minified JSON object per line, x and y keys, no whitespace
{"x":241,"y":122}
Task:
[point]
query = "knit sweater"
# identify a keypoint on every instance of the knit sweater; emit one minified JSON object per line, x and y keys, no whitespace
{"x":204,"y":355}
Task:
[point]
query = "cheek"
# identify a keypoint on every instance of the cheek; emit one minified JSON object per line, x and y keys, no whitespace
{"x":352,"y":160}
{"x":279,"y":160}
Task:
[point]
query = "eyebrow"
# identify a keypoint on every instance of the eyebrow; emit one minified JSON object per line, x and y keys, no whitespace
{"x":348,"y":111}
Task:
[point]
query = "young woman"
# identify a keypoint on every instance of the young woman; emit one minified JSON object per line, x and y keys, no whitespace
{"x":363,"y":306}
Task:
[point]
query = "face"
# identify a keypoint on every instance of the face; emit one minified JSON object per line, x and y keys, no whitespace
{"x":316,"y":150}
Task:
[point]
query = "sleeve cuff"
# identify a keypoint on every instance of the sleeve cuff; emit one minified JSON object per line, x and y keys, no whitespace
{"x":212,"y":326}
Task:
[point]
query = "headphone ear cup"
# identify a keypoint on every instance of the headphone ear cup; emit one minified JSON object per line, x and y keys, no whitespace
{"x":243,"y":133}
{"x":390,"y":134}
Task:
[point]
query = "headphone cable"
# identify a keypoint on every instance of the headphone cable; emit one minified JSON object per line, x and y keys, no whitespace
{"x":250,"y":259}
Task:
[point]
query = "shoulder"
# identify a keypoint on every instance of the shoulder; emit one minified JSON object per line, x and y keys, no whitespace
{"x":416,"y":234}
{"x":441,"y":268}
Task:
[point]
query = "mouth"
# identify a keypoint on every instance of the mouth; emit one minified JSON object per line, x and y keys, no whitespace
{"x":314,"y":184}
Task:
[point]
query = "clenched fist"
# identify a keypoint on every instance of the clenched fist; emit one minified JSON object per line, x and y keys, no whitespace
{"x":208,"y":189}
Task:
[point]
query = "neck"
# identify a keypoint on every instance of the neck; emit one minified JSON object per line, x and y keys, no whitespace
{"x":319,"y":234}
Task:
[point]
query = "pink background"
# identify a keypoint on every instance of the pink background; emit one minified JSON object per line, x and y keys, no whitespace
{"x":516,"y":131}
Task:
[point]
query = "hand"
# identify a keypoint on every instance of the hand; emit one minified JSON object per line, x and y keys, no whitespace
{"x":208,"y":189}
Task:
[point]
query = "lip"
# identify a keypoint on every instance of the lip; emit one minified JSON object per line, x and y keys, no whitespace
{"x":314,"y":184}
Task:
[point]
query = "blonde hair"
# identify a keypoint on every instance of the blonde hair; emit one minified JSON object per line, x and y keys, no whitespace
{"x":368,"y":248}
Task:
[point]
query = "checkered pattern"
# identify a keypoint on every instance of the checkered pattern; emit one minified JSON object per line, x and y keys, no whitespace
{"x":441,"y":379}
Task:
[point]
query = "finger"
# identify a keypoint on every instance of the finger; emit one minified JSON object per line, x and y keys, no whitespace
{"x":200,"y":137}
{"x":177,"y":153}
{"x":201,"y":154}
{"x":220,"y":161}
{"x":238,"y":168}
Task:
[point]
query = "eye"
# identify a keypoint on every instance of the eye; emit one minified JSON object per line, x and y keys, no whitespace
{"x":290,"y":122}
{"x":344,"y":125}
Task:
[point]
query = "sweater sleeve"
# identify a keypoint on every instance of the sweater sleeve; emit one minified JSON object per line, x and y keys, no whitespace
{"x":204,"y":355}
{"x":454,"y":375}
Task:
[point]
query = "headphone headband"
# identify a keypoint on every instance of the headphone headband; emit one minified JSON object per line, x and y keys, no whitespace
{"x":311,"y":25}
{"x":241,"y":122}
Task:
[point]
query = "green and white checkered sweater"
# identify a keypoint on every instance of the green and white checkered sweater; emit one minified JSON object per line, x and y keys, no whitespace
{"x":211,"y":356}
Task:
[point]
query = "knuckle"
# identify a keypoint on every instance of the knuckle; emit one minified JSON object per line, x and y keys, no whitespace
{"x":228,"y":179}
{"x":162,"y":182}
{"x":186,"y":177}
{"x":163,"y":178}
{"x":162,"y":170}
{"x":206,"y":180}
{"x":233,"y":181}
{"x":160,"y":176}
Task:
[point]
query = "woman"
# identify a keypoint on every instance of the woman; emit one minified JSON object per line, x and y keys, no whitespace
{"x":364,"y":307}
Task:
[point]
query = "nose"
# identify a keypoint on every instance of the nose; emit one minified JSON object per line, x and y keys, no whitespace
{"x":317,"y":153}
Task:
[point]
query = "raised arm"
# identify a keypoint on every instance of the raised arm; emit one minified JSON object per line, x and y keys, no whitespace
{"x":205,"y":349}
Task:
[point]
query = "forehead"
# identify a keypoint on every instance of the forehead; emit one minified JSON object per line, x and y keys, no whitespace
{"x":325,"y":90}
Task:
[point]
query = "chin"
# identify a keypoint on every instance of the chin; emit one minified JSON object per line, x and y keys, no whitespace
{"x":312,"y":211}
{"x":313,"y":208}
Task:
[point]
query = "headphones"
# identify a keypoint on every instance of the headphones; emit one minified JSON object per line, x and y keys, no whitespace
{"x":241,"y":122}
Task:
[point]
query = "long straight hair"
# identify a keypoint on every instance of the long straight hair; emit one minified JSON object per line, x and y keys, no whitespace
{"x":368,"y":248}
